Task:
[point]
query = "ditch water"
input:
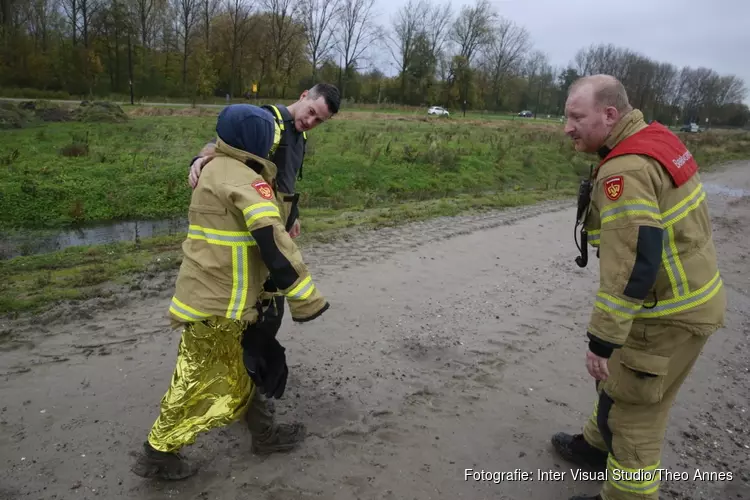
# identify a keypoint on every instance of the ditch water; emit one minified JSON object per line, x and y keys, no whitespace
{"x":37,"y":242}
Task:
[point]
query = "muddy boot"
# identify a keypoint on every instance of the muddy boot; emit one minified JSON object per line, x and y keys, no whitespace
{"x":574,"y":448}
{"x":156,"y":464}
{"x":268,"y":436}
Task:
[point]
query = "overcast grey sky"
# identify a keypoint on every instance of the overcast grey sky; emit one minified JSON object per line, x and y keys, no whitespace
{"x":709,"y":33}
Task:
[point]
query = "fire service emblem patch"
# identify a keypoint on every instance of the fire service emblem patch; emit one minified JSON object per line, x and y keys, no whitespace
{"x":263,"y":189}
{"x":613,"y":187}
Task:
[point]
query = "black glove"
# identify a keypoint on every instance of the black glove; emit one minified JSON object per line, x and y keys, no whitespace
{"x":271,"y":310}
{"x":265,"y":361}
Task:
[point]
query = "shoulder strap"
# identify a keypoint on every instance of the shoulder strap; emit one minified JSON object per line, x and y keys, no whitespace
{"x":277,"y":129}
{"x":277,"y":113}
{"x":661,"y":144}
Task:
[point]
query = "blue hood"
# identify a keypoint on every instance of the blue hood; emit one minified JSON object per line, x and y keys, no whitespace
{"x":247,"y":128}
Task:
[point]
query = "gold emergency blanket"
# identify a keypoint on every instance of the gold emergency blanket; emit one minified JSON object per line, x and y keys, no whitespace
{"x":210,"y":386}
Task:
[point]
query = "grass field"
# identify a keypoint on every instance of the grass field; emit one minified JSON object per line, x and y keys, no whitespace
{"x":61,"y":174}
{"x":364,"y":169}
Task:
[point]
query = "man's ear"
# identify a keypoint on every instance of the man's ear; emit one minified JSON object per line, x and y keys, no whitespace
{"x":612,"y":115}
{"x":303,"y":95}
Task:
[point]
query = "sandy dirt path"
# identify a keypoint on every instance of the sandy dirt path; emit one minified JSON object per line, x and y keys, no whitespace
{"x":452,"y":344}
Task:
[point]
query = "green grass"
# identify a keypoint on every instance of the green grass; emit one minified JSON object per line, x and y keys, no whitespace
{"x":362,"y":170}
{"x":61,"y":174}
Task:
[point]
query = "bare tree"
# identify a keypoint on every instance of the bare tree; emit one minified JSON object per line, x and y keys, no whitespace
{"x":239,"y":17}
{"x":186,"y":17}
{"x":71,"y":9}
{"x":43,"y":13}
{"x":283,"y":30}
{"x":583,"y":62}
{"x":437,"y":28}
{"x":319,"y":19}
{"x":731,"y":90}
{"x":208,"y":11}
{"x":356,"y":32}
{"x":87,"y":9}
{"x":407,"y":26}
{"x":144,"y":13}
{"x":15,"y":16}
{"x":505,"y":52}
{"x":473,"y":29}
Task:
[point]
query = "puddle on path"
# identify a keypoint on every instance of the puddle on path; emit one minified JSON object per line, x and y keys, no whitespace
{"x":712,"y":188}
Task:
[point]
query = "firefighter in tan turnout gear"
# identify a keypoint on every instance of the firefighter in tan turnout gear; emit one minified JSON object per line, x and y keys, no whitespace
{"x":660,"y":293}
{"x":236,"y":240}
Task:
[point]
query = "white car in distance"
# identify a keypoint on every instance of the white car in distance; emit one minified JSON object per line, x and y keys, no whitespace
{"x":438,"y":110}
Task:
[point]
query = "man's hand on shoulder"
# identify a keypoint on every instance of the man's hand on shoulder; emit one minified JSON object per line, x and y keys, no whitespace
{"x":200,"y":161}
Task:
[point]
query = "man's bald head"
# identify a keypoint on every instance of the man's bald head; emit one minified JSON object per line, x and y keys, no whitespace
{"x":606,"y":90}
{"x":595,"y":104}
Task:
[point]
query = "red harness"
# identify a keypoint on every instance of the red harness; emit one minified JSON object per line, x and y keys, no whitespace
{"x":661,"y":144}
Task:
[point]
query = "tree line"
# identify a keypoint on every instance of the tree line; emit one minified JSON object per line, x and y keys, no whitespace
{"x":474,"y":58}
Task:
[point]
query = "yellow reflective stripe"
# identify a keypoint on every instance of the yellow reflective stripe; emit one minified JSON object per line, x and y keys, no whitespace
{"x":688,"y":301}
{"x":260,"y":210}
{"x":276,"y":139}
{"x":616,"y":306}
{"x":303,"y":290}
{"x":684,"y":207}
{"x":673,"y":264}
{"x":630,"y":207}
{"x":683,"y":298}
{"x":186,"y":312}
{"x":594,"y":237}
{"x":239,"y":283}
{"x":667,"y":258}
{"x":220,"y":237}
{"x":304,"y":135}
{"x":278,"y":116}
{"x":645,"y":480}
{"x":627,"y":310}
{"x":646,"y":207}
{"x":595,"y":413}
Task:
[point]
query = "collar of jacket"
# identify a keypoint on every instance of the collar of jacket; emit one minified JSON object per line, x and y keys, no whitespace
{"x":628,"y":125}
{"x":268,"y":168}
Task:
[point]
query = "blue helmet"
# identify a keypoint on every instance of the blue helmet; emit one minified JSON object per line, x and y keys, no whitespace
{"x":246,"y":127}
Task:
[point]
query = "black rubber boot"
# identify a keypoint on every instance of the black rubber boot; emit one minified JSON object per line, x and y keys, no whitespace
{"x":575,"y":449}
{"x":583,"y":497}
{"x":156,"y":464}
{"x":267,"y":436}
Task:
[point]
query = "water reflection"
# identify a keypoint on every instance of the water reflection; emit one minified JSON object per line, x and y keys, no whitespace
{"x":36,"y":242}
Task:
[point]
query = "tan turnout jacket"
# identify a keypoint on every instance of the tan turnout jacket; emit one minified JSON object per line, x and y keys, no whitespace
{"x":657,"y":256}
{"x":236,"y":238}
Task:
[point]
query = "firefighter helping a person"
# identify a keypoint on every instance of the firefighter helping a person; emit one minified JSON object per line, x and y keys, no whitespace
{"x":660,"y":294}
{"x":314,"y":106}
{"x":225,"y":361}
